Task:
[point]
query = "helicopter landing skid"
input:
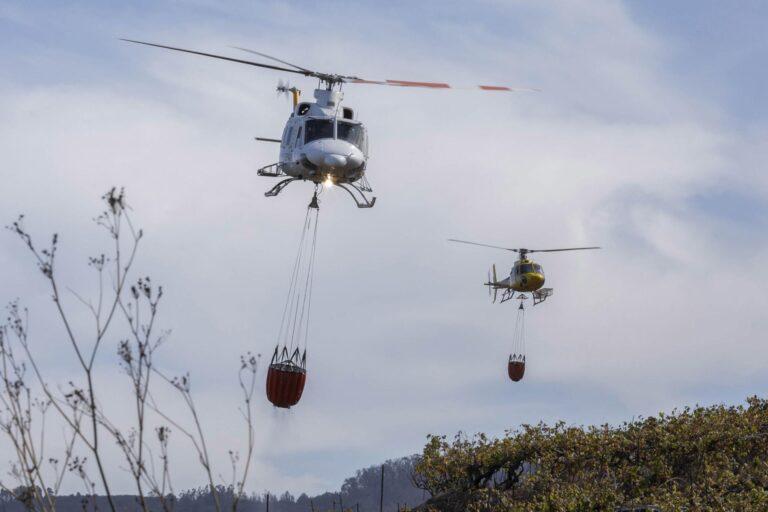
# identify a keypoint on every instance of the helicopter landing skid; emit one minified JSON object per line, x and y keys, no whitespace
{"x":271,"y":170}
{"x":276,"y":171}
{"x":506,"y":295}
{"x":538,"y":296}
{"x":279,"y":187}
{"x":357,"y":192}
{"x":541,"y":295}
{"x":363,"y":201}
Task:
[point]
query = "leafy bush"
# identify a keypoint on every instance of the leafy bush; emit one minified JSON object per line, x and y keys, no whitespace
{"x":700,"y":459}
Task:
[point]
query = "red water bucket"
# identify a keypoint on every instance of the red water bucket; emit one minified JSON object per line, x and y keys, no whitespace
{"x":285,"y":384}
{"x":516,"y":368}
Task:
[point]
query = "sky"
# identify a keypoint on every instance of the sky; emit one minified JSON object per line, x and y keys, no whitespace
{"x":647,"y":138}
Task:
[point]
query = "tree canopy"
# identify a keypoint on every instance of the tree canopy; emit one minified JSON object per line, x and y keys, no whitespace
{"x":703,"y":458}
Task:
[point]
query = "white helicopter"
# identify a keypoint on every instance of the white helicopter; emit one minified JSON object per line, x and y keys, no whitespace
{"x":323,"y":142}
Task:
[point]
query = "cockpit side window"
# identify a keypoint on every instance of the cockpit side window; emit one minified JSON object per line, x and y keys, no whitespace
{"x":298,"y":136}
{"x":350,"y":132}
{"x":537,"y":268}
{"x":303,"y":109}
{"x":318,"y":129}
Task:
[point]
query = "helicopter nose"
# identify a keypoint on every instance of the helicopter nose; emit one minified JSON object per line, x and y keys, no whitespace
{"x":333,"y":160}
{"x":333,"y":154}
{"x":355,"y":158}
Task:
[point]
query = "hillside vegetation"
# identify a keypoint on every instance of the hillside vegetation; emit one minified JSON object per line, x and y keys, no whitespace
{"x":698,"y":459}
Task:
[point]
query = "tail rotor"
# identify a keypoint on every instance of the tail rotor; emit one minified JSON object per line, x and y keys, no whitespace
{"x":284,"y":88}
{"x":491,"y":284}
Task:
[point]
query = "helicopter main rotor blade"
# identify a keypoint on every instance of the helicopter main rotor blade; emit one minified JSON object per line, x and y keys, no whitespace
{"x":439,"y":85}
{"x":560,"y":250}
{"x":240,"y":61}
{"x":272,"y":58}
{"x":482,"y":245}
{"x":328,"y":77}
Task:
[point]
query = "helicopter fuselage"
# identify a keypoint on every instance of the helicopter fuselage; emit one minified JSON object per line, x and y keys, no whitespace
{"x":323,"y":141}
{"x":525,"y":276}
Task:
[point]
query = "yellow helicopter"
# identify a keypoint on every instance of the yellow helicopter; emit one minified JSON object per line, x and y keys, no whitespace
{"x":525,"y":275}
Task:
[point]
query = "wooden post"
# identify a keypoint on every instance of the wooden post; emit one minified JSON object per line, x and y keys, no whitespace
{"x":267,"y":502}
{"x":357,"y":507}
{"x":381,"y":494}
{"x":312,"y":505}
{"x":341,"y":503}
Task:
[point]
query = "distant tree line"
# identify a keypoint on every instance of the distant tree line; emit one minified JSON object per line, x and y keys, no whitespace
{"x":360,"y":492}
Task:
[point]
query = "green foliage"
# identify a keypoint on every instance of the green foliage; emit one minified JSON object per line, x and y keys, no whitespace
{"x":701,"y":459}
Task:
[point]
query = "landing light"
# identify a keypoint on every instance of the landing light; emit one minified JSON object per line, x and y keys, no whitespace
{"x":328,"y":181}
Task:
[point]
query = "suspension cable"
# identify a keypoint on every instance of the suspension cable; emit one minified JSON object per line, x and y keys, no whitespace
{"x":311,"y":276}
{"x":302,"y":328}
{"x":518,"y":337}
{"x":294,"y":324}
{"x":285,"y":322}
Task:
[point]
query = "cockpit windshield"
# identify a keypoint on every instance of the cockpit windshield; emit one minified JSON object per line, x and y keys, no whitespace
{"x":318,"y":129}
{"x":352,"y":133}
{"x":525,"y":268}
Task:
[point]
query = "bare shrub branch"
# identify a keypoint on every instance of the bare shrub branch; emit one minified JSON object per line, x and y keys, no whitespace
{"x":23,"y":417}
